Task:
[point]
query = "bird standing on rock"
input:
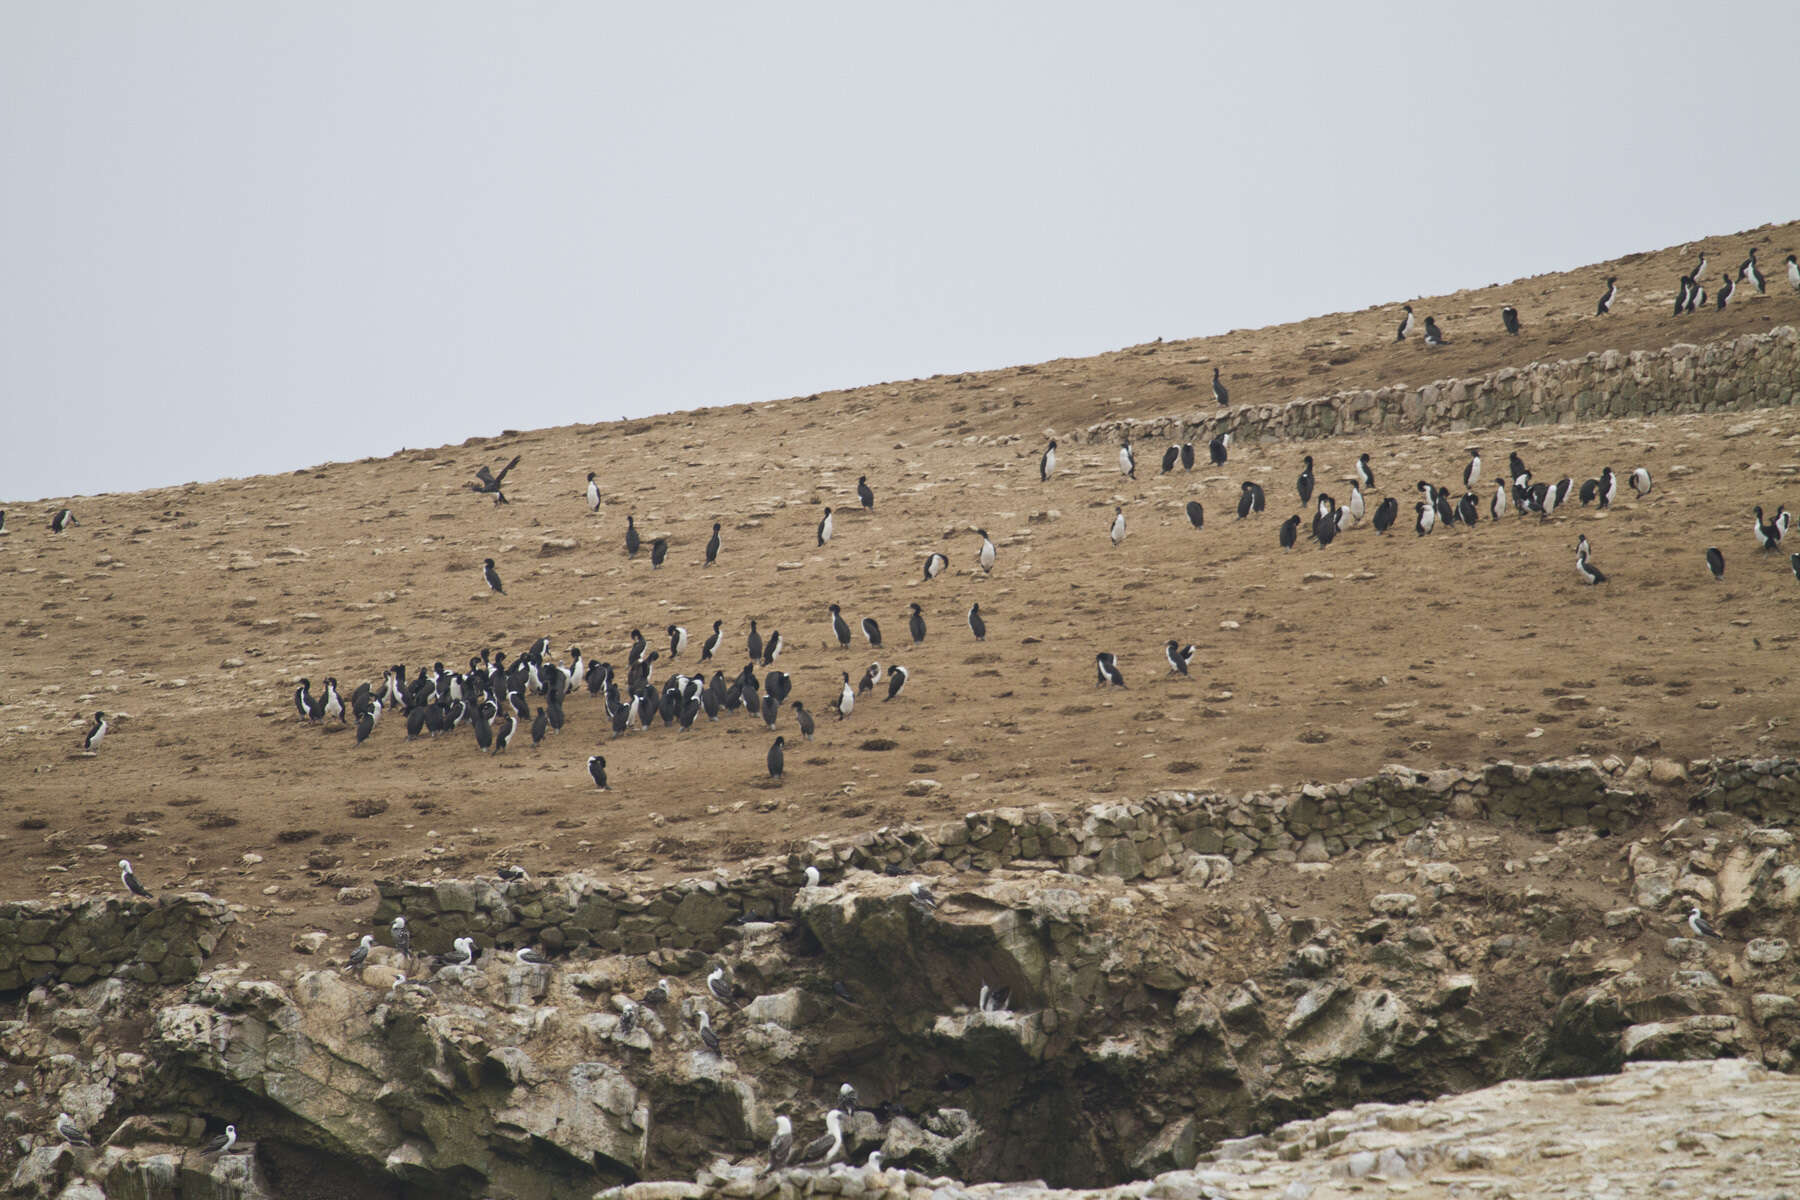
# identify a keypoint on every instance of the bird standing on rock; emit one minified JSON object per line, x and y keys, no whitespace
{"x":129,"y":878}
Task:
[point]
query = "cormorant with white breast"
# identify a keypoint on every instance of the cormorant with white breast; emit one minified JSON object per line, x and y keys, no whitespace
{"x":1196,"y":514}
{"x":712,"y":546}
{"x":95,"y":732}
{"x":977,"y":626}
{"x":1106,"y":670}
{"x":1365,"y":474}
{"x":597,"y":769}
{"x":1117,"y":531}
{"x":1127,"y":460}
{"x":897,"y":677}
{"x":985,"y":556}
{"x":871,"y":631}
{"x":935,"y":564}
{"x":593,"y":494}
{"x":1715,"y":562}
{"x":1472,"y":469}
{"x":915,"y":625}
{"x":1607,"y":297}
{"x":492,"y":576}
{"x":1219,"y":448}
{"x":1304,"y":484}
{"x":775,"y":757}
{"x":1509,"y":317}
{"x":864,"y":493}
{"x":840,"y":628}
{"x":1219,"y":392}
{"x":1179,"y":656}
{"x":632,"y":540}
{"x":825,"y":527}
{"x":1047,"y":464}
{"x":1433,"y":335}
{"x":1406,"y":324}
{"x":1748,"y":270}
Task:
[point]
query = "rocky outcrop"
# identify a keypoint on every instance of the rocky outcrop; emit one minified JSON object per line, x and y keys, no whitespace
{"x":1757,"y":370}
{"x":148,"y":941}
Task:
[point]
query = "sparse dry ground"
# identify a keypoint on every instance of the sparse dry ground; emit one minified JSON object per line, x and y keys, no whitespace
{"x":1458,"y":648}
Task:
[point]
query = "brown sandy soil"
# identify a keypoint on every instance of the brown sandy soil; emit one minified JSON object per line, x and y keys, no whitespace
{"x":191,"y":612}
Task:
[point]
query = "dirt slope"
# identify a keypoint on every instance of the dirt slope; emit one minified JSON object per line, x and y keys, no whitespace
{"x":192,"y":612}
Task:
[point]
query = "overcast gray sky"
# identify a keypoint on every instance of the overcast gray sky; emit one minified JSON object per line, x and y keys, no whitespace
{"x":247,"y":237}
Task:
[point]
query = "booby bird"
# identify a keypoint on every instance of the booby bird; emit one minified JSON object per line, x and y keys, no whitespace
{"x":1106,"y":670}
{"x":864,"y":493}
{"x":1171,"y":456}
{"x":715,"y":983}
{"x":1218,"y":448}
{"x":1715,"y":562}
{"x":775,"y":756}
{"x":402,"y":937}
{"x":593,"y":494}
{"x":1219,"y":392}
{"x":1748,"y":270}
{"x":781,"y":1146}
{"x":712,"y":642}
{"x":805,"y":721}
{"x":1588,"y":572}
{"x":1385,"y":512}
{"x":1768,"y":533}
{"x":492,"y":576}
{"x":825,"y":527}
{"x":1127,"y":460}
{"x":658,"y":995}
{"x":659,"y":551}
{"x":1509,"y":317}
{"x":915,"y":624}
{"x":1607,"y":298}
{"x":1365,"y":474}
{"x":935,"y":564}
{"x":70,"y":1132}
{"x":1701,"y":926}
{"x":897,"y":677}
{"x":1433,"y":335}
{"x":977,"y":626}
{"x":840,"y":628}
{"x":921,"y":894}
{"x":490,"y":482}
{"x":707,"y":1037}
{"x":824,"y":1151}
{"x":597,"y":769}
{"x":1727,"y":289}
{"x":129,"y":878}
{"x":62,"y":520}
{"x":360,"y":955}
{"x":1406,"y":324}
{"x":1640,"y":482}
{"x":1793,"y":265}
{"x":1304,"y":484}
{"x":847,"y":1099}
{"x":1117,"y":532}
{"x":871,"y":631}
{"x":95,"y":732}
{"x":712,"y":547}
{"x":985,"y":556}
{"x":1196,"y":514}
{"x":221,"y":1144}
{"x":846,"y":702}
{"x":632,"y":540}
{"x":1289,"y":534}
{"x":811,"y":876}
{"x":460,"y":954}
{"x":510,"y":873}
{"x":1179,"y":656}
{"x":1047,"y":464}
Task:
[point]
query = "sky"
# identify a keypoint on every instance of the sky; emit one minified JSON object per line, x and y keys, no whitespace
{"x":239,"y":238}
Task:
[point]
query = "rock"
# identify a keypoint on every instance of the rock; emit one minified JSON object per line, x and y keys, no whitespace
{"x":1395,"y":904}
{"x":1765,"y":952}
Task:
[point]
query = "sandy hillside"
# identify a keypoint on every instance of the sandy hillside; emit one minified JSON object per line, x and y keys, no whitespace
{"x":190,"y":613}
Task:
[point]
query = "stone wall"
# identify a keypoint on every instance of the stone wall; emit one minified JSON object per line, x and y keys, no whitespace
{"x":1759,"y":370}
{"x":148,"y":941}
{"x":1172,"y":833}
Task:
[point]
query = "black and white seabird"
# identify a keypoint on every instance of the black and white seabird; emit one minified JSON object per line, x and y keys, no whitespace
{"x":1406,"y":324}
{"x":840,"y":628}
{"x":1472,"y":469}
{"x":775,"y":758}
{"x":985,"y":556}
{"x":1749,"y":270}
{"x":1171,"y":456}
{"x":847,"y":1099}
{"x":1715,"y":562}
{"x":781,"y":1146}
{"x":1468,"y":509}
{"x":1250,"y":499}
{"x":1219,"y":448}
{"x":1219,"y":392}
{"x":712,"y":546}
{"x":1106,"y":670}
{"x":1608,"y":296}
{"x":804,"y":719}
{"x":510,"y":873}
{"x":70,"y":1132}
{"x":1127,"y":460}
{"x":1196,"y":514}
{"x":221,"y":1144}
{"x":1497,"y":506}
{"x":1608,"y":489}
{"x":1427,"y":518}
{"x":1588,"y":572}
{"x":1681,"y":294}
{"x":935,"y":564}
{"x":593,"y":494}
{"x":1117,"y":532}
{"x":715,"y":983}
{"x":1047,"y":464}
{"x":825,"y":527}
{"x":530,"y":957}
{"x":1700,"y":925}
{"x":129,"y":878}
{"x":95,"y":732}
{"x":1727,"y":289}
{"x":1179,"y":656}
{"x":1433,"y":335}
{"x":915,"y":625}
{"x":897,"y":676}
{"x":460,"y":954}
{"x":1385,"y":512}
{"x":490,"y":482}
{"x":1509,"y":317}
{"x":365,"y":725}
{"x":1356,"y":505}
{"x":846,"y":701}
{"x":597,"y":769}
{"x":823,"y":1151}
{"x":870,"y":678}
{"x":1699,"y":271}
{"x":707,"y":1037}
{"x":492,"y":576}
{"x":360,"y":955}
{"x":1768,"y":533}
{"x":921,"y":894}
{"x":1793,"y":266}
{"x":771,"y":647}
{"x":1289,"y":535}
{"x":977,"y":626}
{"x":1641,"y":482}
{"x":658,"y":995}
{"x":402,"y":937}
{"x":864,"y":493}
{"x":1365,"y":474}
{"x":659,"y":551}
{"x":632,"y":540}
{"x":1696,"y":295}
{"x":1304,"y":484}
{"x":712,"y":642}
{"x":754,"y":643}
{"x":871,"y":631}
{"x":678,"y":640}
{"x":62,"y":520}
